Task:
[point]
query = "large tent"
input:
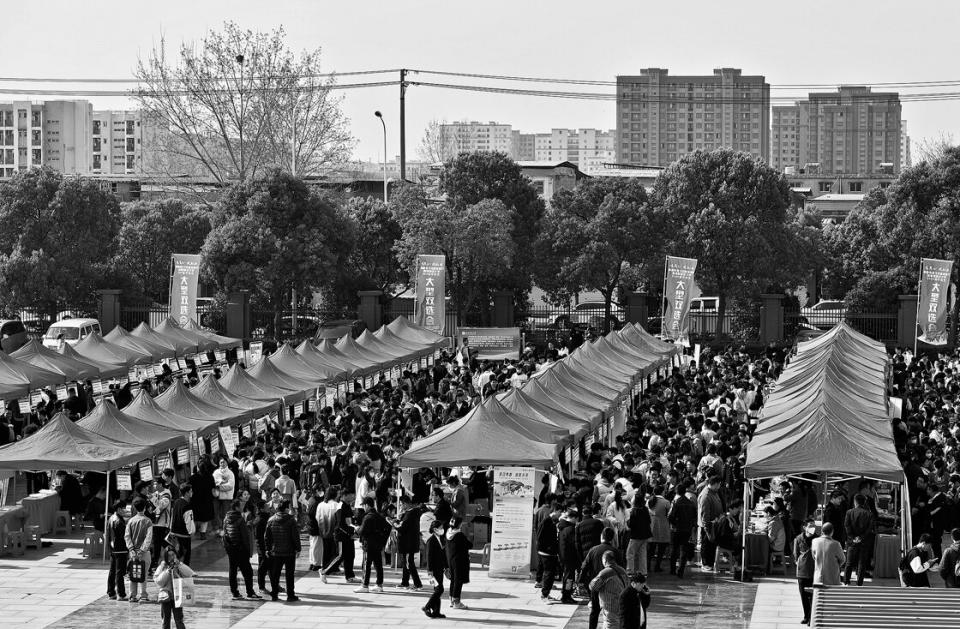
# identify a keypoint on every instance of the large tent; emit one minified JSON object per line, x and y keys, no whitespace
{"x":402,"y":327}
{"x":223,"y":342}
{"x":39,"y":356}
{"x":828,"y":414}
{"x":144,"y":408}
{"x":238,"y":382}
{"x":210,"y":391}
{"x":298,"y":390}
{"x":288,"y":361}
{"x":516,"y":401}
{"x":180,"y":345}
{"x":19,"y":377}
{"x":61,"y":444}
{"x":365,"y":365}
{"x":169,"y":328}
{"x":119,"y":336}
{"x":179,"y":400}
{"x":96,"y":348}
{"x":106,"y":369}
{"x":109,"y":421}
{"x":309,"y":353}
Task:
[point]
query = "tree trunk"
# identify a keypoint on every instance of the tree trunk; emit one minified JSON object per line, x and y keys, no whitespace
{"x":721,"y":313}
{"x":607,"y":298}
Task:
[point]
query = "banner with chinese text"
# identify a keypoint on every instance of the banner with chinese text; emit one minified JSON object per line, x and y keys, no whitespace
{"x":430,"y":305}
{"x":512,"y":535}
{"x":184,"y":275}
{"x":493,"y":343}
{"x":933,"y":303}
{"x":677,"y":282}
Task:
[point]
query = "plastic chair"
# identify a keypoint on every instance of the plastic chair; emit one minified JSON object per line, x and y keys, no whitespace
{"x":485,"y":559}
{"x":62,"y":523}
{"x":723,"y":552}
{"x":15,"y":543}
{"x":32,"y":537}
{"x":92,"y":544}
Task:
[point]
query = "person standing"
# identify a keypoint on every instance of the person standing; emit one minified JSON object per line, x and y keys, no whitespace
{"x":948,"y":563}
{"x":182,"y":525}
{"x":592,"y":566}
{"x":709,"y":508}
{"x":589,"y":531}
{"x":458,"y":496}
{"x":138,"y":536}
{"x":203,"y":495}
{"x":169,"y":569}
{"x":408,"y":543}
{"x":282,"y":540}
{"x":458,"y":560}
{"x":569,"y":557}
{"x":436,"y":564}
{"x":639,"y":533}
{"x":236,"y":541}
{"x":917,"y":562}
{"x":326,"y":517}
{"x":683,"y":519}
{"x":858,"y":524}
{"x":162,"y":501}
{"x":547,"y":550}
{"x":374,"y":531}
{"x":659,"y":508}
{"x":803,"y":560}
{"x":938,"y":517}
{"x":609,"y":585}
{"x":224,"y":482}
{"x":116,"y":530}
{"x":313,"y":531}
{"x":343,"y":534}
{"x":827,"y":557}
{"x":634,"y":602}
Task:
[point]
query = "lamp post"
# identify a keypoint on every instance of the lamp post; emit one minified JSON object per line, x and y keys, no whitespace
{"x":380,"y":116}
{"x":240,"y":122}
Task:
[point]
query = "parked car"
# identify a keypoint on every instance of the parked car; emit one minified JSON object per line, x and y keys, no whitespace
{"x":71,"y":331}
{"x":808,"y":334}
{"x":824,"y":314}
{"x":13,"y":335}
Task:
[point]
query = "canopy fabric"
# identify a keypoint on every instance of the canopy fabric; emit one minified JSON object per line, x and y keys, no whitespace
{"x":119,"y":336}
{"x":402,"y":327}
{"x":39,"y":356}
{"x":351,"y":349}
{"x":61,"y":444}
{"x":103,"y":351}
{"x":298,"y":390}
{"x":109,"y":421}
{"x":385,"y":335}
{"x":828,"y":413}
{"x":488,"y":435}
{"x":145,"y":409}
{"x":366,"y":365}
{"x":169,"y":327}
{"x":288,"y":361}
{"x":518,"y":403}
{"x":534,"y":390}
{"x":309,"y":353}
{"x":210,"y":391}
{"x":179,"y":344}
{"x":368,"y":341}
{"x":636,"y":335}
{"x":223,"y":342}
{"x":238,"y":382}
{"x":107,"y":370}
{"x":19,"y":377}
{"x":178,"y":399}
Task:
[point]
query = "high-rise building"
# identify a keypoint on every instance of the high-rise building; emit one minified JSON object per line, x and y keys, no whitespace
{"x":660,"y":117}
{"x":906,"y":153}
{"x":53,"y":133}
{"x":117,"y":146}
{"x":851,"y":131}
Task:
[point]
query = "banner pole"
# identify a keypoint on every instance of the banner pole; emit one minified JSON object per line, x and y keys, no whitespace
{"x":917,"y":322}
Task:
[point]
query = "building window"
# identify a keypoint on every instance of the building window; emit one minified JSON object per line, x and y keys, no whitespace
{"x":825,"y":186}
{"x":856,"y":186}
{"x":96,"y":162}
{"x":96,"y":127}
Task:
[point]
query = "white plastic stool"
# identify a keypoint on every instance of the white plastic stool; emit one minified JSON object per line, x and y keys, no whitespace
{"x":32,"y":536}
{"x":92,"y":544}
{"x":62,"y":523}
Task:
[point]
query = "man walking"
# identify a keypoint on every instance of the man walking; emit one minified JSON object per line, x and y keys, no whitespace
{"x":282,"y":540}
{"x":827,"y":557}
{"x":236,"y":541}
{"x":374,"y":531}
{"x":709,"y":508}
{"x":548,"y":550}
{"x":182,"y":525}
{"x":116,"y":529}
{"x":858,"y":524}
{"x":436,"y":564}
{"x":592,"y":566}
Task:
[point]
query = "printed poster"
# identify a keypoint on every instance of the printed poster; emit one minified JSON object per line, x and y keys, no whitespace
{"x":229,"y":440}
{"x":512,"y":535}
{"x":124,"y":482}
{"x":933,"y":303}
{"x":493,"y":343}
{"x":184,"y":276}
{"x":677,"y":284}
{"x":430,"y":304}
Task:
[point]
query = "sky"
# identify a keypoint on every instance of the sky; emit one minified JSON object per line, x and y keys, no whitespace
{"x":814,"y":42}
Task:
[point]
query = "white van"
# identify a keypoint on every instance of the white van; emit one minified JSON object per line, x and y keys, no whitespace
{"x":71,"y":331}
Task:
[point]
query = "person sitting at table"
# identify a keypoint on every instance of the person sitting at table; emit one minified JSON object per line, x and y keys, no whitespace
{"x":773,"y":527}
{"x":71,"y":496}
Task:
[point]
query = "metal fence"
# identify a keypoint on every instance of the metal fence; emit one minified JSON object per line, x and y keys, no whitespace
{"x":293,"y":327}
{"x":880,"y":326}
{"x":583,"y":317}
{"x":741,"y":325}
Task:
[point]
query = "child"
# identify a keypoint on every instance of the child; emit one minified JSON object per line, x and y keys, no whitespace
{"x":634,"y":602}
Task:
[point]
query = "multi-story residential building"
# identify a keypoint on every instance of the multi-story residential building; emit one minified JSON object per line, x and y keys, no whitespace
{"x":661,"y":117}
{"x":53,"y":133}
{"x":577,"y":146}
{"x":524,"y":146}
{"x":478,"y":136}
{"x":853,"y":131}
{"x":117,"y":146}
{"x":906,"y":153}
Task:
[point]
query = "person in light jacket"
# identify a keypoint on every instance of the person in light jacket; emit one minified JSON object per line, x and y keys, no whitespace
{"x":827,"y":558}
{"x":138,"y":536}
{"x":224,"y":483}
{"x":170,"y":568}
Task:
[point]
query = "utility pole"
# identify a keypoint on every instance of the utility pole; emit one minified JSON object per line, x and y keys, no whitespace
{"x":403,"y":125}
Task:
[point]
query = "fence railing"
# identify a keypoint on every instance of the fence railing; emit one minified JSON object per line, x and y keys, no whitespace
{"x":881,"y":326}
{"x":304,"y":325}
{"x":741,"y":325}
{"x":404,"y":308}
{"x":585,"y":318}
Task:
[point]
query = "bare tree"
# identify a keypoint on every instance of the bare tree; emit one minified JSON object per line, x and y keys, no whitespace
{"x":931,"y":149}
{"x":440,"y":142}
{"x":240,"y":103}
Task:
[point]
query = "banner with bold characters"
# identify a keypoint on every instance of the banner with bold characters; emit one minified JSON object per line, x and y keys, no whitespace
{"x":933,"y":302}
{"x":430,"y":305}
{"x":184,"y":276}
{"x":677,"y":285}
{"x":511,"y":539}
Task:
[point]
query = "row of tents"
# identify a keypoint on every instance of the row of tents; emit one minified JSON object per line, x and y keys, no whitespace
{"x":571,"y":399}
{"x":110,"y":438}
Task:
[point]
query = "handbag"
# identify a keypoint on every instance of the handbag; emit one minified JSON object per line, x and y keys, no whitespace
{"x":137,"y":571}
{"x":184,"y":593}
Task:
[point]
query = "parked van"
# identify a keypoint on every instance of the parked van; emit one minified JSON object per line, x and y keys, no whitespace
{"x":13,"y":335}
{"x":71,"y":331}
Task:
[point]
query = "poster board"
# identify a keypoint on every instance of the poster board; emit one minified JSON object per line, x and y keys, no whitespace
{"x":229,"y":440}
{"x":493,"y":343}
{"x":512,"y":535}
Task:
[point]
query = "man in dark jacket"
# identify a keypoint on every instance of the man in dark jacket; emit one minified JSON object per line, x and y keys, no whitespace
{"x":313,"y":530}
{"x":569,"y":557}
{"x":591,"y":567}
{"x":858,"y":525}
{"x":115,"y":529}
{"x":683,"y":520}
{"x":541,"y":514}
{"x":948,"y":563}
{"x":588,"y":532}
{"x":282,"y":540}
{"x":408,"y":542}
{"x":548,"y":550}
{"x":374,"y":531}
{"x":436,"y":564}
{"x":236,"y":541}
{"x":634,"y":601}
{"x":182,"y":525}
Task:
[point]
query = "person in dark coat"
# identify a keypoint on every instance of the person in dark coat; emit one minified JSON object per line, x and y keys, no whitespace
{"x":458,"y":560}
{"x":859,"y":526}
{"x":408,"y":542}
{"x":442,"y":509}
{"x":374,"y":531}
{"x":436,"y":564}
{"x":948,"y":563}
{"x":202,"y":502}
{"x":548,"y":549}
{"x":683,"y":521}
{"x":282,"y":540}
{"x":588,"y":532}
{"x":836,"y":514}
{"x":592,"y":566}
{"x":915,"y":574}
{"x":569,"y":557}
{"x":71,"y":496}
{"x":115,"y":529}
{"x":803,"y":560}
{"x":236,"y":541}
{"x":634,"y":602}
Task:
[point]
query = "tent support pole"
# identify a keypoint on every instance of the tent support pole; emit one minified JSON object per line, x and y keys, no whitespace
{"x":747,"y":507}
{"x":106,"y":517}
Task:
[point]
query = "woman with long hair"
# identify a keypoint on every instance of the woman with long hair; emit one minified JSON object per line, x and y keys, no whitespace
{"x":169,"y":569}
{"x":458,"y":560}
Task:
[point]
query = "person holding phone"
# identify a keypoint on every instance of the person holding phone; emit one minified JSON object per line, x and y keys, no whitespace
{"x":171,"y":567}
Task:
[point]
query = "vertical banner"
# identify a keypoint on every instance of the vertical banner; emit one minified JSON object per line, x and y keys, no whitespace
{"x":430,"y":305}
{"x":184,"y":274}
{"x":677,"y":282}
{"x":933,"y":303}
{"x":510,"y":542}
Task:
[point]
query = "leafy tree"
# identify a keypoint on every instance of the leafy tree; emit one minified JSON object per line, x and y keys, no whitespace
{"x":476,"y":241}
{"x":274,"y":236}
{"x":730,"y":211}
{"x":149,"y":233}
{"x":439,"y":143}
{"x":58,"y":239}
{"x":239,"y":104}
{"x":600,"y":236}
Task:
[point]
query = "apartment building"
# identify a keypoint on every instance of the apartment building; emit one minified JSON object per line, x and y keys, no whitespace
{"x":53,"y":133}
{"x":853,"y":131}
{"x":660,"y":117}
{"x":475,"y":136}
{"x":581,"y":147}
{"x":906,"y":150}
{"x":116,"y":142}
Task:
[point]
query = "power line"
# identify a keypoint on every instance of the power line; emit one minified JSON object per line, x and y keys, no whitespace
{"x":133,"y":92}
{"x":24,"y":79}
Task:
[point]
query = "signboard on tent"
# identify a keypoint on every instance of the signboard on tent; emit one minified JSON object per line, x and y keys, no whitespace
{"x":124,"y":482}
{"x":510,"y":541}
{"x":430,"y":304}
{"x":677,"y":284}
{"x":932,"y":305}
{"x":255,"y":353}
{"x":493,"y":343}
{"x":184,"y":276}
{"x":229,"y":440}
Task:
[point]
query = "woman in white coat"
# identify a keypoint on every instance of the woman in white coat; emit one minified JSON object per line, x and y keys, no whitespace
{"x":224,"y":484}
{"x":659,"y":508}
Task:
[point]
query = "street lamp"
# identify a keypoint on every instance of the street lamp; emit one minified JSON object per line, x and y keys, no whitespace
{"x":380,"y":116}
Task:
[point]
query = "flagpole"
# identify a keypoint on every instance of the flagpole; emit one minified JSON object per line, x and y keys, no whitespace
{"x":919,"y":294}
{"x":663,"y":303}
